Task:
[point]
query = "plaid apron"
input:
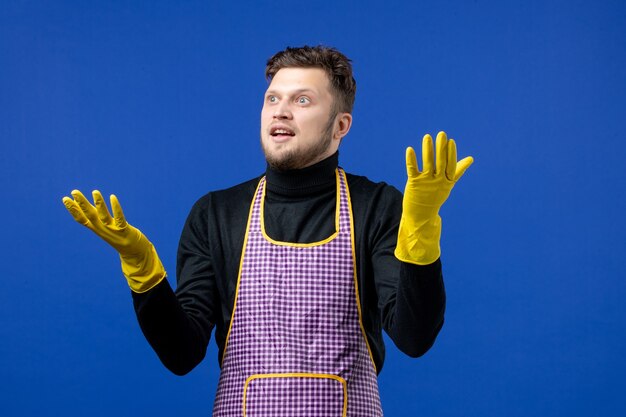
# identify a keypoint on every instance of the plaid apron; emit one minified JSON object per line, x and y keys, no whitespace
{"x":296,"y":346}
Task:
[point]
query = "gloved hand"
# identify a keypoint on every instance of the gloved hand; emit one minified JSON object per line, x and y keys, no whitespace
{"x":140,"y":263}
{"x":424,"y":194}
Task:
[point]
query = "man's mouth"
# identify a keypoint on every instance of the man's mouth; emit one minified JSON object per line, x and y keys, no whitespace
{"x":278,"y":132}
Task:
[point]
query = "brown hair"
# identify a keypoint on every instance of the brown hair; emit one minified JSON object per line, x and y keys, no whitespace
{"x":337,"y":66}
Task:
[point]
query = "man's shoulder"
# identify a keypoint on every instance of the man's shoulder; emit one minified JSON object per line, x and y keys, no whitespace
{"x":361,"y":185}
{"x":231,"y":199}
{"x":237,"y":191}
{"x":373,"y":203}
{"x":233,"y":193}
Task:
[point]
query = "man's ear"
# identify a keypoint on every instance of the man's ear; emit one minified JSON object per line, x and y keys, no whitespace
{"x":343,"y":122}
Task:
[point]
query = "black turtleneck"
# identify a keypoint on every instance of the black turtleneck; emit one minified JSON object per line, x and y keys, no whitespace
{"x":307,"y":197}
{"x":405,"y":300}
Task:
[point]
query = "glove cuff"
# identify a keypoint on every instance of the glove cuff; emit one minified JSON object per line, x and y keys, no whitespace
{"x":418,"y":242}
{"x":143,"y":272}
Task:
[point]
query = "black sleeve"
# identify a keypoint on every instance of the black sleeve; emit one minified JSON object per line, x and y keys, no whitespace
{"x":419,"y":308}
{"x":178,"y":325}
{"x":411,"y":298}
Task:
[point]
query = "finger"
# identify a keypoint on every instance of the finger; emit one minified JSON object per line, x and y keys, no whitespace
{"x":75,"y":211}
{"x":442,"y":153}
{"x":451,"y":165}
{"x":428,"y":155}
{"x":411,"y":163}
{"x":118,"y":214}
{"x":462,"y":166}
{"x":101,"y":207}
{"x":88,"y":210}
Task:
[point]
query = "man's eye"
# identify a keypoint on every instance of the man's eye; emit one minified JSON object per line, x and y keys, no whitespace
{"x":303,"y":100}
{"x":272,"y":99}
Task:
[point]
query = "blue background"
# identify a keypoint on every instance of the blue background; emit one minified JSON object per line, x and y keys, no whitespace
{"x":159,"y":103}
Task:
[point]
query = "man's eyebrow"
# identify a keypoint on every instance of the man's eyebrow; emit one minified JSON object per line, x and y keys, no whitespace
{"x":294,"y":92}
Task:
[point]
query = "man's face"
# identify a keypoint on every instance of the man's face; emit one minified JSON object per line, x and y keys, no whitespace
{"x":297,"y":120}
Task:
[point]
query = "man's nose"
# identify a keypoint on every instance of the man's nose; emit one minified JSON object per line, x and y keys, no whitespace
{"x":282,"y":111}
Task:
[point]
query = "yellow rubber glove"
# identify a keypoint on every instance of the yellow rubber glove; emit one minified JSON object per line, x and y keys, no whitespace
{"x":424,"y":194}
{"x":140,"y":263}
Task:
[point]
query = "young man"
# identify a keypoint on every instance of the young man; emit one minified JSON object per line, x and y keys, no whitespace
{"x":298,"y":270}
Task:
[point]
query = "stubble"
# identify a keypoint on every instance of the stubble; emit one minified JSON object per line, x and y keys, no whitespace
{"x":302,"y":157}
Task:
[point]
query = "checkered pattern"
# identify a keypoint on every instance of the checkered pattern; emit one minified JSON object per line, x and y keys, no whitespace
{"x":296,"y":312}
{"x":299,"y":396}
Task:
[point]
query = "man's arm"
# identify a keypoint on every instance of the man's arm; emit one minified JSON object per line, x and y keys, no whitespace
{"x":178,"y":324}
{"x":414,"y":320}
{"x":412,"y":300}
{"x":178,"y":328}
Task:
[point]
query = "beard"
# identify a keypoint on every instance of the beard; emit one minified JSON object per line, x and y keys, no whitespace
{"x":301,"y":157}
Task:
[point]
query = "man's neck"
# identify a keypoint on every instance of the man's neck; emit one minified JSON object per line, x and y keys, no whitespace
{"x":298,"y":182}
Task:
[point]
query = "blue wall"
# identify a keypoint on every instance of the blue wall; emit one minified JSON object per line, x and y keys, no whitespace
{"x":159,"y":102}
